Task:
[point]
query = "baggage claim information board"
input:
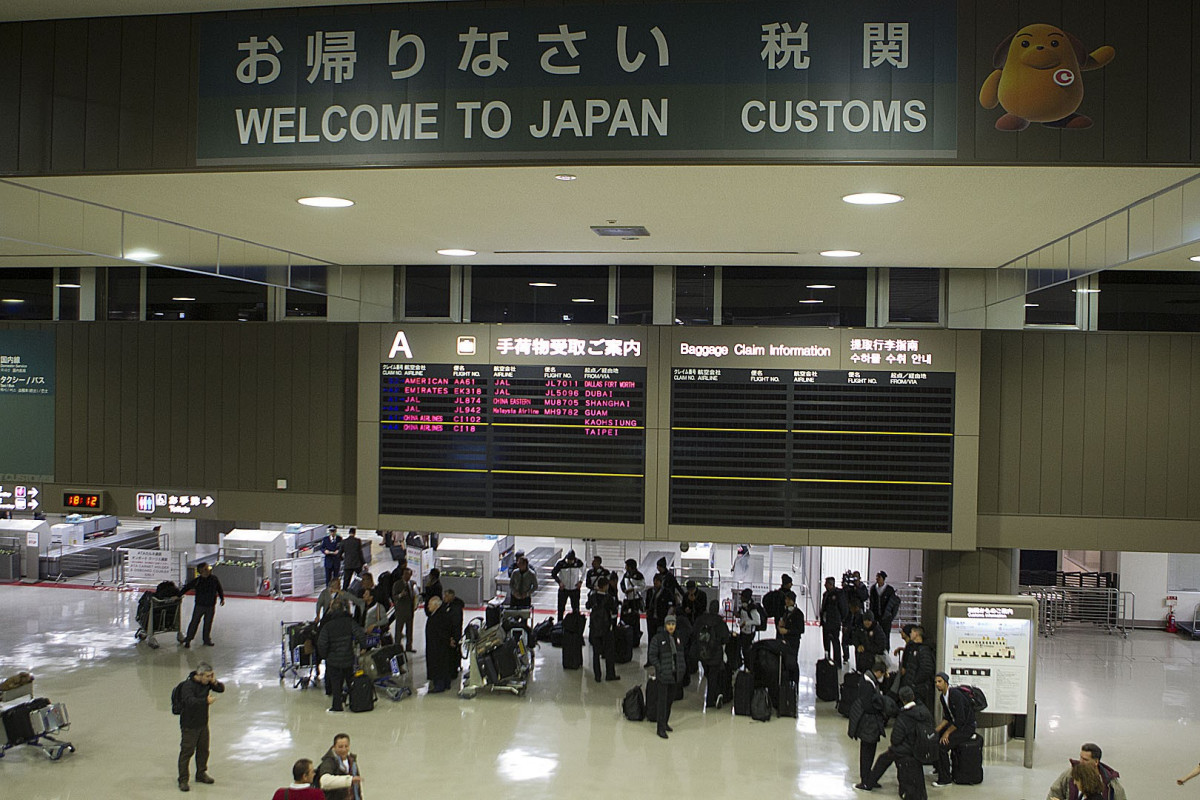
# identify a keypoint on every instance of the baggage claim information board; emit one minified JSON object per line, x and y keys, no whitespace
{"x":550,"y":425}
{"x":833,"y":429}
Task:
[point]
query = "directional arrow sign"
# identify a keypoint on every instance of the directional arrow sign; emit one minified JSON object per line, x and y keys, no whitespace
{"x":33,"y":492}
{"x":208,"y":501}
{"x":33,"y":504}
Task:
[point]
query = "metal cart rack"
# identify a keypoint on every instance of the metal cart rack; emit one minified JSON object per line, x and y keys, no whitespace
{"x":32,"y":722}
{"x":499,"y":658}
{"x":298,"y":653}
{"x":157,"y":615}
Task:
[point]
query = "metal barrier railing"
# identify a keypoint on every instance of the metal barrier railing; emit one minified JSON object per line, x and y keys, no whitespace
{"x":911,"y":594}
{"x":284,"y":569}
{"x":1109,"y":609}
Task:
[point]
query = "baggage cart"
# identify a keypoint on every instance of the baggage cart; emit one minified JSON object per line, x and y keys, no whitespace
{"x":387,"y":667}
{"x":34,"y":722}
{"x":158,"y":614}
{"x":499,"y":658}
{"x":298,"y":653}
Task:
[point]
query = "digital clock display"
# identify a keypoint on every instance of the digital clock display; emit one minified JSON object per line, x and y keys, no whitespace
{"x":81,"y":500}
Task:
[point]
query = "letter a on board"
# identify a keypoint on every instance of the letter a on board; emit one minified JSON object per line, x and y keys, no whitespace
{"x":400,"y":345}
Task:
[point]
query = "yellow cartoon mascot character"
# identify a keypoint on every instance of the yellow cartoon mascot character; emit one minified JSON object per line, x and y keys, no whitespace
{"x":1038,"y":78}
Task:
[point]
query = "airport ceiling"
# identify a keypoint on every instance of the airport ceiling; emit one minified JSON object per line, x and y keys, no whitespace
{"x":952,"y":216}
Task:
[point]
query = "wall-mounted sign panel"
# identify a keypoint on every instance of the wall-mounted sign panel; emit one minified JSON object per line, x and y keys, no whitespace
{"x":176,"y":503}
{"x":554,"y":427}
{"x":27,"y":381}
{"x":723,"y":81}
{"x":20,"y":497}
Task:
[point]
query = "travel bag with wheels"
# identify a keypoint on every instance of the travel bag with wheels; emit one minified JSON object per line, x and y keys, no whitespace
{"x":651,"y":707}
{"x":760,"y":705}
{"x":634,"y":705}
{"x":966,"y":762}
{"x":623,"y":646}
{"x":911,"y":776}
{"x":556,"y":634}
{"x":362,"y":693}
{"x":716,"y":685}
{"x":572,"y":640}
{"x":827,"y":680}
{"x":491,"y":614}
{"x":789,"y":701}
{"x":851,"y":683}
{"x":743,"y":693}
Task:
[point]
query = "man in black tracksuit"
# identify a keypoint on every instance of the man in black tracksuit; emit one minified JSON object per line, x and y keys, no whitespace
{"x":956,"y":727}
{"x":868,"y":717}
{"x":193,"y":722}
{"x":600,"y":630}
{"x":884,"y":603}
{"x":834,"y":612}
{"x":912,"y":719}
{"x":789,"y":626}
{"x":919,"y":667}
{"x":335,"y":644}
{"x":208,"y":590}
{"x":666,"y":657}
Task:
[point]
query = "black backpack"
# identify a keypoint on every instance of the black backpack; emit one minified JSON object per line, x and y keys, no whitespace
{"x":925,"y":748}
{"x":762,"y":615}
{"x":177,"y":699}
{"x":634,"y":705}
{"x":760,"y":705}
{"x":707,"y":650}
{"x":975,"y":695}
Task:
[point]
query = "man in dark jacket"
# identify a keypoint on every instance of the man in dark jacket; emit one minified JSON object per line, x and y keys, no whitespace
{"x":910,"y":722}
{"x":789,"y":625}
{"x":694,"y":602}
{"x":568,"y":574}
{"x":338,"y":775}
{"x":195,"y":697}
{"x":665,"y":657}
{"x":869,"y":641}
{"x":352,"y":558}
{"x":1065,"y":789}
{"x":208,"y":590}
{"x":603,"y":617}
{"x":833,"y":613}
{"x":522,"y":583}
{"x":659,"y":603}
{"x":868,"y":716}
{"x":331,"y":548}
{"x":597,"y":571}
{"x":956,"y":727}
{"x":773,"y":601}
{"x":921,"y":667}
{"x":709,"y":637}
{"x":669,"y":581}
{"x":884,"y":603}
{"x":441,"y":646}
{"x":335,"y":643}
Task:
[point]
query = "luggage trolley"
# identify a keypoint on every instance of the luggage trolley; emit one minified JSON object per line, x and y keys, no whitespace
{"x":387,"y":667}
{"x":298,"y":653}
{"x":158,"y":612}
{"x":498,"y":657}
{"x":32,"y":722}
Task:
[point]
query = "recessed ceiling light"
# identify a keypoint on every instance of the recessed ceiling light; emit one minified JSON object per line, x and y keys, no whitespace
{"x":812,"y":300}
{"x":325,"y":202}
{"x":541,"y":284}
{"x":456,"y":251}
{"x":183,"y":299}
{"x":872,"y":198}
{"x":820,"y":286}
{"x":582,"y":300}
{"x":565,"y":177}
{"x":1194,"y":258}
{"x":1032,"y":305}
{"x":140,"y":254}
{"x":840,"y":253}
{"x":12,"y":300}
{"x":1086,"y":291}
{"x":68,"y":286}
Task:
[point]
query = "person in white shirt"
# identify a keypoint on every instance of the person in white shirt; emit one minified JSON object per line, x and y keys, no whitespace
{"x":749,"y":618}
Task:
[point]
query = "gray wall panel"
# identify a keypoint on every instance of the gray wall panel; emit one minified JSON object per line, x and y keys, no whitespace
{"x":1116,"y":425}
{"x":1134,"y":421}
{"x":37,"y":87}
{"x":1030,"y":431}
{"x":10,"y":96}
{"x":1010,"y":392}
{"x":103,"y":104}
{"x":1051,"y":433}
{"x":68,"y":114}
{"x":989,"y":430}
{"x":1158,"y":424}
{"x":1178,"y":414}
{"x":1073,"y":424}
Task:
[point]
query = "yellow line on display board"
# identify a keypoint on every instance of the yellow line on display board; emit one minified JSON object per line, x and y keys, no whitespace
{"x":587,"y":474}
{"x":904,"y":483}
{"x":434,"y":469}
{"x":724,"y":478}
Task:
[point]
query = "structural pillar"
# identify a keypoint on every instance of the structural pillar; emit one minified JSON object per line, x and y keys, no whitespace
{"x":983,"y":571}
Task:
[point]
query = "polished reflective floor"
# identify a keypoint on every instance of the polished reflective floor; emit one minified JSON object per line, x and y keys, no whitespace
{"x":1136,"y":697}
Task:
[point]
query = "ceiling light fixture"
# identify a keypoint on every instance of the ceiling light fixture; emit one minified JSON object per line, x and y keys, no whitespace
{"x":183,"y":299}
{"x":68,"y":286}
{"x":872,"y":198}
{"x":456,"y":251}
{"x":12,"y":300}
{"x":541,"y":284}
{"x":1194,"y":258}
{"x":565,"y":177}
{"x":820,"y":286}
{"x":1033,"y":305}
{"x":1086,"y":291}
{"x":325,"y":202}
{"x":812,"y":300}
{"x":840,"y":253}
{"x":582,"y":300}
{"x":141,"y":254}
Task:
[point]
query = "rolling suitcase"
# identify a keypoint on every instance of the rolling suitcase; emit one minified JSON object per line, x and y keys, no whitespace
{"x":789,"y":701}
{"x":967,"y":762}
{"x":379,"y":662}
{"x":743,"y":693}
{"x":652,"y":700}
{"x":716,"y":685}
{"x":504,"y":658}
{"x":556,"y":634}
{"x":827,"y":680}
{"x":911,"y":777}
{"x":491,"y":614}
{"x":851,"y":683}
{"x":623,"y":646}
{"x":633,"y":620}
{"x":572,"y":650}
{"x":362,"y":693}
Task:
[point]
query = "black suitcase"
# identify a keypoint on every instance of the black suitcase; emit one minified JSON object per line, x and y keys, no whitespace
{"x":743,"y":693}
{"x":633,"y":620}
{"x":789,"y":702}
{"x":388,"y":660}
{"x":491,"y":614}
{"x":716,"y":682}
{"x":556,"y":634}
{"x":967,"y":762}
{"x":911,"y":777}
{"x":652,"y":700}
{"x":362,"y":693}
{"x":760,"y":705}
{"x":851,"y":683}
{"x":827,"y":680}
{"x":572,"y":650}
{"x":634,"y":705}
{"x":504,"y":658}
{"x":624,"y":644}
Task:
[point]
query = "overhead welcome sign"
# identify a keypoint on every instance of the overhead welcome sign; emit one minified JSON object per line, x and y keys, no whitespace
{"x":724,"y":81}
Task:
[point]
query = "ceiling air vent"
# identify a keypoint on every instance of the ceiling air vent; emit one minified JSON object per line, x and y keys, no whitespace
{"x":620,"y":230}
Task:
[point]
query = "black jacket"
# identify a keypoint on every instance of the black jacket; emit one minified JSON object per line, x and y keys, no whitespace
{"x":884,"y":605}
{"x":957,"y":709}
{"x":352,"y":554}
{"x":208,"y":589}
{"x":441,"y":644}
{"x":693,"y":608}
{"x":867,"y":713}
{"x":658,"y":655}
{"x":195,"y":702}
{"x":336,"y":638}
{"x":603,"y":616}
{"x":873,"y":641}
{"x":792,"y":620}
{"x":919,"y":667}
{"x":659,"y":603}
{"x":710,"y":633}
{"x":594,"y":574}
{"x":909,"y":723}
{"x":330,"y":766}
{"x":834,"y":609}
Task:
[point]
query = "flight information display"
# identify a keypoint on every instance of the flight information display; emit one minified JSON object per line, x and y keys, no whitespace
{"x":804,"y":448}
{"x":513,"y":441}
